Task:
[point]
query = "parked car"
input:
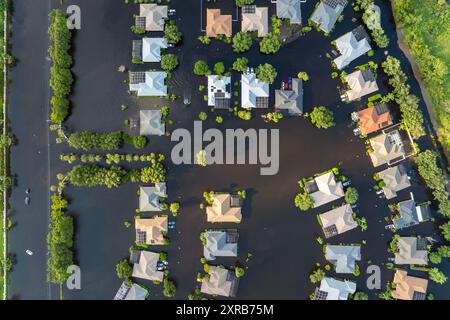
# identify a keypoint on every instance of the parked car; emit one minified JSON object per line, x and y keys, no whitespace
{"x":27,"y":201}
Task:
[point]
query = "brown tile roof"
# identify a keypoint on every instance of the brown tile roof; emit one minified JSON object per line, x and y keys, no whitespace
{"x":216,"y":23}
{"x":371,"y":121}
{"x":222,"y":211}
{"x":153,"y":229}
{"x":409,"y":288}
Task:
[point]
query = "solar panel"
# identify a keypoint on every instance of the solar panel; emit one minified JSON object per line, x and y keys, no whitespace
{"x":360,"y":33}
{"x":137,"y":77}
{"x":330,"y":231}
{"x":222,"y":103}
{"x":235,"y":201}
{"x":137,"y":49}
{"x":141,"y":237}
{"x":140,"y":22}
{"x":381,"y":108}
{"x":320,"y":295}
{"x":367,"y":75}
{"x":334,"y":3}
{"x":419,"y":295}
{"x":248,"y":9}
{"x":262,"y":102}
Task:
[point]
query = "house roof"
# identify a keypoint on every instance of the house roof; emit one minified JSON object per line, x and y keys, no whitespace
{"x":395,"y":179}
{"x":408,"y":287}
{"x":338,"y":220}
{"x":147,"y":267}
{"x":352,"y":45}
{"x":151,"y":123}
{"x":333,"y":289}
{"x":361,"y":83}
{"x":151,"y":49}
{"x":410,"y":214}
{"x":255,"y":19}
{"x":149,"y":197}
{"x":327,"y":13}
{"x":410,"y":252}
{"x":154,"y":16}
{"x":221,"y":281}
{"x":149,"y":84}
{"x":386,"y":147}
{"x":223,"y":209}
{"x":150,"y":230}
{"x":374,"y":118}
{"x":325,"y":189}
{"x":220,"y":244}
{"x":291,"y":100}
{"x":216,"y":23}
{"x":255,"y":93}
{"x":343,"y":257}
{"x":219,"y":91}
{"x":290,"y":9}
{"x":133,"y":292}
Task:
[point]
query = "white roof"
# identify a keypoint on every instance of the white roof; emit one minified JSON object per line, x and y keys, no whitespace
{"x":154,"y":85}
{"x":337,"y":289}
{"x":361,"y":83}
{"x":150,"y":123}
{"x":147,"y":267}
{"x":252,"y":88}
{"x":149,"y":197}
{"x":151,"y":49}
{"x":328,"y":189}
{"x":154,"y":16}
{"x":343,"y":257}
{"x":290,"y":9}
{"x":218,"y":84}
{"x":350,"y":49}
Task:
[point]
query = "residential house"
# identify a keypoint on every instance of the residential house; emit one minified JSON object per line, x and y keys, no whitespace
{"x":360,"y":83}
{"x":343,"y":257}
{"x":327,"y":13}
{"x":351,"y":46}
{"x":337,"y":221}
{"x":395,"y":179}
{"x":151,"y":230}
{"x":387,"y":148}
{"x":255,"y":19}
{"x":151,"y":123}
{"x":255,"y":93}
{"x":225,"y":208}
{"x":217,"y":23}
{"x":220,"y":244}
{"x":410,"y":214}
{"x":145,"y":266}
{"x":151,"y":17}
{"x":408,"y":287}
{"x":290,"y":101}
{"x":131,"y":292}
{"x":148,"y":84}
{"x":148,"y":49}
{"x":221,"y":282}
{"x":324,"y":189}
{"x":219,"y":91}
{"x":149,"y":197}
{"x":411,"y":250}
{"x":332,"y":289}
{"x":290,"y":9}
{"x":374,"y":118}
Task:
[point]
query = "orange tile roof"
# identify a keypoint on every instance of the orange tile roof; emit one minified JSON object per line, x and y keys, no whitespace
{"x":371,"y":121}
{"x":406,"y":286}
{"x":216,"y":23}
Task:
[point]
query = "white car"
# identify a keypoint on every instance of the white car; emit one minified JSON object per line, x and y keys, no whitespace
{"x":29,"y":252}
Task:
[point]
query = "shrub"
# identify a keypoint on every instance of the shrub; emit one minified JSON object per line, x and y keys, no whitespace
{"x":303,"y":201}
{"x":241,"y":64}
{"x":201,"y":68}
{"x":322,"y":117}
{"x":351,"y":195}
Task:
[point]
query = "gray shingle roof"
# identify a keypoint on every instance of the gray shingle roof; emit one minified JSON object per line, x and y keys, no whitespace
{"x":291,"y":100}
{"x":343,"y":257}
{"x":150,"y":123}
{"x":327,"y":13}
{"x":290,"y":9}
{"x":395,"y":179}
{"x":220,"y":244}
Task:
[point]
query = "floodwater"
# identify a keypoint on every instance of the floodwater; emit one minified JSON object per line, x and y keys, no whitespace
{"x":280,"y":238}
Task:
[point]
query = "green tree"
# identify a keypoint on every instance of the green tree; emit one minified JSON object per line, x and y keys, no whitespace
{"x":156,"y":173}
{"x":435,"y":257}
{"x":241,"y":64}
{"x":169,"y":289}
{"x":444,"y":251}
{"x":203,"y":116}
{"x":241,"y":3}
{"x":239,"y":271}
{"x":266,"y":73}
{"x":322,"y":117}
{"x":317,"y":276}
{"x":445,"y":230}
{"x":171,"y":33}
{"x":303,"y":201}
{"x":124,"y":269}
{"x":270,"y":44}
{"x":219,"y":68}
{"x":174,"y":208}
{"x":201,"y":68}
{"x":169,"y":62}
{"x":242,"y":42}
{"x":437,"y":276}
{"x":303,"y":75}
{"x":360,"y":296}
{"x":351,"y":195}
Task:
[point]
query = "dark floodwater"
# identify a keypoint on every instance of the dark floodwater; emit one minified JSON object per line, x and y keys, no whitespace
{"x":280,"y":238}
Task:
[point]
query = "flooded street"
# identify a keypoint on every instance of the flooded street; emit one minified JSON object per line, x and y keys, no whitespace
{"x":280,"y":238}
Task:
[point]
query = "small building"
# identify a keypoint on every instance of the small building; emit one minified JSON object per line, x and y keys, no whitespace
{"x":332,"y":289}
{"x":148,"y":49}
{"x":151,"y":123}
{"x":337,"y":221}
{"x":374,"y":118}
{"x":408,"y":287}
{"x":411,"y":250}
{"x":225,"y":208}
{"x":151,"y":231}
{"x":131,"y":292}
{"x":145,"y":266}
{"x":149,"y":197}
{"x":290,"y":101}
{"x":151,"y":17}
{"x":255,"y":93}
{"x":360,"y":83}
{"x":255,"y":19}
{"x":395,"y":179}
{"x":324,"y":189}
{"x":218,"y":24}
{"x":220,"y":244}
{"x":219,"y":91}
{"x":343,"y":257}
{"x":387,"y":148}
{"x":409,"y":214}
{"x":351,"y":46}
{"x":148,"y":84}
{"x":327,"y":13}
{"x":220,"y":282}
{"x":290,"y":9}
